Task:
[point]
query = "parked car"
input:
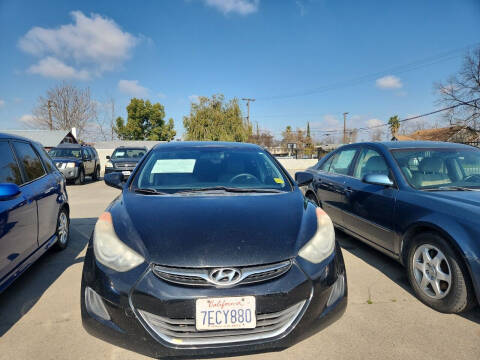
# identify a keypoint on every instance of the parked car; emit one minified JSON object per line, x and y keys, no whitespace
{"x":211,"y":248}
{"x":76,"y":161}
{"x":124,"y":159}
{"x":34,"y":211}
{"x":418,"y":202}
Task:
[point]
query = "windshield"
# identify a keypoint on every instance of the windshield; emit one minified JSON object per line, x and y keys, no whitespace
{"x":128,"y":153}
{"x":57,"y":153}
{"x":203,"y":168}
{"x":440,"y":168}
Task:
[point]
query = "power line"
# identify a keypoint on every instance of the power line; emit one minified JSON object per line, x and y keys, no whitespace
{"x":431,"y":60}
{"x":368,"y":128}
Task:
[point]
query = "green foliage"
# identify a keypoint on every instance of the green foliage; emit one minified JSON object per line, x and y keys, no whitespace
{"x":309,"y":148}
{"x":146,"y":121}
{"x":394,"y":124}
{"x":214,"y":119}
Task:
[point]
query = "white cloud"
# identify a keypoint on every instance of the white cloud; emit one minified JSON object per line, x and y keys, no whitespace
{"x":26,"y":119}
{"x":301,"y":7}
{"x":374,"y":122}
{"x":2,"y":103}
{"x":54,"y":68}
{"x":132,"y":88}
{"x":389,"y":82}
{"x":194,"y":98}
{"x":242,"y":7}
{"x":91,"y":41}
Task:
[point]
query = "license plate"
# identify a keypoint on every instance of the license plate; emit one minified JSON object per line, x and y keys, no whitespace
{"x":225,"y":313}
{"x":127,"y":173}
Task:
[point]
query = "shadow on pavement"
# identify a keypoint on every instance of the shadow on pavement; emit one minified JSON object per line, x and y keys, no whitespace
{"x":388,"y":266}
{"x":24,"y":293}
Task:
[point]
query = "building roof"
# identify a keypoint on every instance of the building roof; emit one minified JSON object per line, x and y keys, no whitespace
{"x":438,"y":134}
{"x":48,"y":138}
{"x":125,"y":143}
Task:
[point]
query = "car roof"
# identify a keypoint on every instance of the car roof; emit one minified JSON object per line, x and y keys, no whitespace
{"x":392,"y":145}
{"x":206,"y":144}
{"x":71,"y":146}
{"x":131,"y":148}
{"x":13,"y":137}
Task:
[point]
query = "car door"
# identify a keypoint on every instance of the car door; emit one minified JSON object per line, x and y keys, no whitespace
{"x":329,"y":185}
{"x":18,"y":216}
{"x":370,"y":209}
{"x":87,"y":161}
{"x":41,"y":186}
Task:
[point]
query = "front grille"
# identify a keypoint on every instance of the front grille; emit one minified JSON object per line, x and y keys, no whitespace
{"x":125,"y":165}
{"x":201,"y":277}
{"x":182,"y":332}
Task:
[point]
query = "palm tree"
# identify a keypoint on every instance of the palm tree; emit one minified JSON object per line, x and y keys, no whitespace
{"x":394,"y":124}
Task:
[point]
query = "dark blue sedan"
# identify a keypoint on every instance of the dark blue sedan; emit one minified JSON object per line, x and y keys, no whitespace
{"x":34,"y":212}
{"x":418,"y":202}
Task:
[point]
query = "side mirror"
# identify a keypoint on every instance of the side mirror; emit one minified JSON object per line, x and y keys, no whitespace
{"x":115,"y":180}
{"x":108,"y":157}
{"x":303,"y":178}
{"x":8,"y":191}
{"x":378,"y":179}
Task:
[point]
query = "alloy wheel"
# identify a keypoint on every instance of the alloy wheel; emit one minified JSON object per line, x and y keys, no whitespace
{"x":432,"y":271}
{"x":62,"y":230}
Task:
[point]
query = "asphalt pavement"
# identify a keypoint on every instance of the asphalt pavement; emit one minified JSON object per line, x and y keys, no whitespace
{"x":40,"y":313}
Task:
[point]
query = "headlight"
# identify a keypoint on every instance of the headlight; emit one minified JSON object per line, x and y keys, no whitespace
{"x":109,"y":164}
{"x":322,"y":244}
{"x":110,"y":250}
{"x":70,"y":165}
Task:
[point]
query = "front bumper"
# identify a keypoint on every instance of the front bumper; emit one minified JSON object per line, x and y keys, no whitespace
{"x":118,"y":170}
{"x":305,"y":285}
{"x":70,"y":173}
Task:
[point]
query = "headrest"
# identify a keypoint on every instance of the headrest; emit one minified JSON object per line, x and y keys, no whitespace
{"x":376,"y":163}
{"x":433,"y":165}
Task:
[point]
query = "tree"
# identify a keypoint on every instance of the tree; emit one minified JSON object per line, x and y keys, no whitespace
{"x":394,"y":125}
{"x":377,"y":134}
{"x":309,"y":148}
{"x":261,"y":137}
{"x":64,"y":107}
{"x":463,"y":89}
{"x":145,"y":121}
{"x":214,"y":119}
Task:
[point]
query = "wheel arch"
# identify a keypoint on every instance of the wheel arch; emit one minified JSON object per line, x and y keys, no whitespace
{"x":423,"y":227}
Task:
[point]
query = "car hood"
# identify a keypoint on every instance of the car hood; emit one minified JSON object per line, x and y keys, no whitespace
{"x":66,"y":159}
{"x":463,"y":197}
{"x":122,"y":160}
{"x":218,"y":230}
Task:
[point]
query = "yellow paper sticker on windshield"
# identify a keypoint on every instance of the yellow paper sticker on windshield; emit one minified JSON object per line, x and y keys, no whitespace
{"x":278,"y":180}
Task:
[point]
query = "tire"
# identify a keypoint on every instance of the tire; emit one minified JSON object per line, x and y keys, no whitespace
{"x":63,"y":230}
{"x":96,"y":174}
{"x":80,"y":180}
{"x":437,"y":274}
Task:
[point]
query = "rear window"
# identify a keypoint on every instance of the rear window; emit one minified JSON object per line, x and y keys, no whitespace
{"x":30,"y":161}
{"x":9,"y":170}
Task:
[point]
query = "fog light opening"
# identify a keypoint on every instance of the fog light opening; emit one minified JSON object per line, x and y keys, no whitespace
{"x":338,"y":289}
{"x":95,"y":305}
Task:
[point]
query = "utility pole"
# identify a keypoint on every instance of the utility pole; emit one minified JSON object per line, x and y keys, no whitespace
{"x":248,"y":108}
{"x":49,"y":104}
{"x":345,"y":127}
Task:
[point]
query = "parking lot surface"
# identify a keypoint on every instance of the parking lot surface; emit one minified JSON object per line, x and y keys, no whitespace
{"x":40,"y":313}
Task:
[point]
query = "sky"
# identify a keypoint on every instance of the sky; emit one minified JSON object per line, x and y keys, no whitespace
{"x":302,"y":60}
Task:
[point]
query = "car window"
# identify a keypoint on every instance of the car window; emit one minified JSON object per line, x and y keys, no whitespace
{"x":185,"y":169}
{"x":30,"y":161}
{"x":326,"y":165}
{"x":65,"y":152}
{"x":370,"y":162}
{"x":128,"y":153}
{"x":9,"y":170}
{"x":342,"y":161}
{"x":47,"y":161}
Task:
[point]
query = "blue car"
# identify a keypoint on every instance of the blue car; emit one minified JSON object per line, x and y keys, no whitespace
{"x":418,"y":202}
{"x":34,"y":211}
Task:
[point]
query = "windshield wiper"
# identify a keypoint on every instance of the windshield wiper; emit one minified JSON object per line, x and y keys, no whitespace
{"x":451,"y":188}
{"x":148,"y":191}
{"x":230,"y":189}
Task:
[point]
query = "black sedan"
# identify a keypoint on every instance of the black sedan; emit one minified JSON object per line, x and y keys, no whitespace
{"x":211,"y":249}
{"x":418,"y":202}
